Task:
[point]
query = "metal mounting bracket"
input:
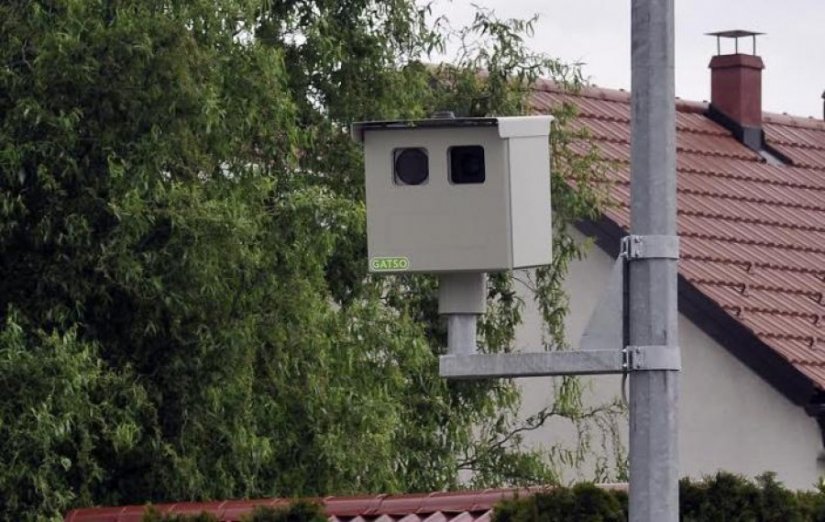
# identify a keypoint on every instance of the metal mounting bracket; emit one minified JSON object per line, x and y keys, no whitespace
{"x":647,"y":358}
{"x":531,"y":364}
{"x":650,"y":247}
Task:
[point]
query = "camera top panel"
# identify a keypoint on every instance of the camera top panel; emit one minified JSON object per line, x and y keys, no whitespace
{"x":508,"y":127}
{"x":359,"y":128}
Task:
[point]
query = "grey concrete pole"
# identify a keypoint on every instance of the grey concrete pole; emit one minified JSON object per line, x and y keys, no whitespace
{"x":654,"y":462}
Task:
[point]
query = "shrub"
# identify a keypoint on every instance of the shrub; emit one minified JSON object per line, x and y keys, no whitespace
{"x":723,"y":497}
{"x":298,"y":512}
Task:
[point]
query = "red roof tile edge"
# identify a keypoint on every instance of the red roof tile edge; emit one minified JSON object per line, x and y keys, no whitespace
{"x":335,"y":507}
{"x":614,"y":95}
{"x":623,"y":96}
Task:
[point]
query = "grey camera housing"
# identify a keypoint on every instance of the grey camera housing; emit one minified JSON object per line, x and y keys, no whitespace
{"x":436,"y":226}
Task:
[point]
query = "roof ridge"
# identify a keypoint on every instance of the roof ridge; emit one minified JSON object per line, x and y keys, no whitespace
{"x":584,"y":91}
{"x":607,"y":94}
{"x":623,"y":96}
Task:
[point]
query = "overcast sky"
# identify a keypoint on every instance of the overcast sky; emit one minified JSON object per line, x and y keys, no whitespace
{"x":597,"y":33}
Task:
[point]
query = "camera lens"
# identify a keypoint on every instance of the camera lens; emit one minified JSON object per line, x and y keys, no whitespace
{"x":411,"y":166}
{"x":467,"y":164}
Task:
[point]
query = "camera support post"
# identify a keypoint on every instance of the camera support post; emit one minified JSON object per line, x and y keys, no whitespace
{"x":461,"y":298}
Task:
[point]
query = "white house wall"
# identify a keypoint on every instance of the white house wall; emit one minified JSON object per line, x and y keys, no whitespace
{"x":730,"y":419}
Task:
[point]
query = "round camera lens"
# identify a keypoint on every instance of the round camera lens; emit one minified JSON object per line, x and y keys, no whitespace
{"x":411,"y":167}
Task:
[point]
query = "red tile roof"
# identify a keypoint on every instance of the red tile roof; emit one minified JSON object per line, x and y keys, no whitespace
{"x":752,"y":234}
{"x":465,"y":506}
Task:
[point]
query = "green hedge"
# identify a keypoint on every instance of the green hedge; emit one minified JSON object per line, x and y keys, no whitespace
{"x":723,"y":498}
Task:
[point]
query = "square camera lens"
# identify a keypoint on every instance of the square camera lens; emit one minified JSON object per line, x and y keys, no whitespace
{"x":467,"y":164}
{"x":411,"y":166}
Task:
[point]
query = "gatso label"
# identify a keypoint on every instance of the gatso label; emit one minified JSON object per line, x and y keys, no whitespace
{"x":389,"y":264}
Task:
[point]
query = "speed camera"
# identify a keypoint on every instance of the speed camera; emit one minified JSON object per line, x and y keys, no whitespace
{"x":457,"y":194}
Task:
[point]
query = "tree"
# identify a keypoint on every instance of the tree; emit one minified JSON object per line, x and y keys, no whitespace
{"x":185,"y":306}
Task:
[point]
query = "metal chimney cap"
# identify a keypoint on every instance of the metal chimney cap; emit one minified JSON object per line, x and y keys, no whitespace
{"x":734,"y":34}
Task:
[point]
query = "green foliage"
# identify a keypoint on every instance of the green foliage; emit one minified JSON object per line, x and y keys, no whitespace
{"x":728,"y":497}
{"x":183,"y":285}
{"x":581,"y":503}
{"x":723,"y":497}
{"x":299,"y":511}
{"x":64,"y":414}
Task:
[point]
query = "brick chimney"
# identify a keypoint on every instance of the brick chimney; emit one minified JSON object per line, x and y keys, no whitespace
{"x":736,"y":89}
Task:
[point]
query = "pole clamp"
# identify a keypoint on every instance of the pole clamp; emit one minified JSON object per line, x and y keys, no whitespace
{"x":650,"y":247}
{"x":647,"y":358}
